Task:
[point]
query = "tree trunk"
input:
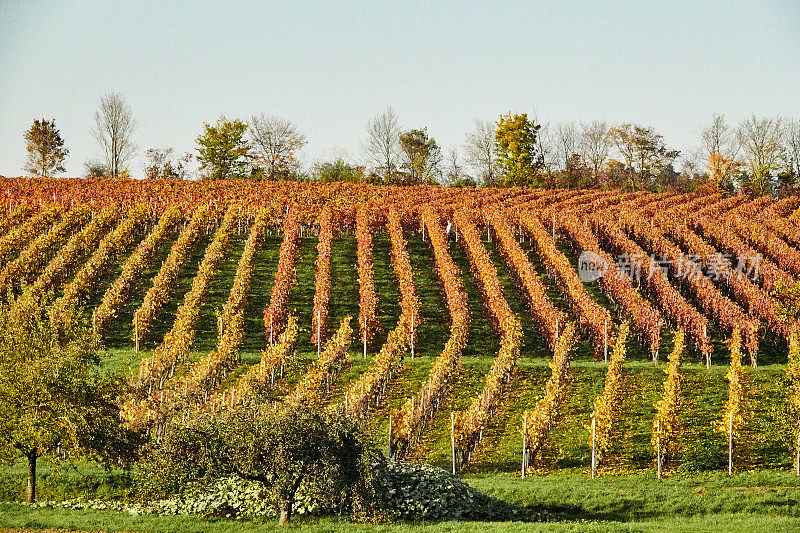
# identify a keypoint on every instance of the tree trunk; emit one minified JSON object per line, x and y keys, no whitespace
{"x":32,"y":455}
{"x":286,"y":512}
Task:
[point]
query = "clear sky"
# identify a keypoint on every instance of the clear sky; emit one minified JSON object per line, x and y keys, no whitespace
{"x":331,"y":66}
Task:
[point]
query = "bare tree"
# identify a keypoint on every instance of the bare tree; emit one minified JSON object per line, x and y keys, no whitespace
{"x":114,"y":127}
{"x":719,"y":147}
{"x":762,"y":144}
{"x":479,"y":148}
{"x":275,"y":143}
{"x":791,"y":154}
{"x":567,"y":143}
{"x":595,"y":145}
{"x":383,"y":143}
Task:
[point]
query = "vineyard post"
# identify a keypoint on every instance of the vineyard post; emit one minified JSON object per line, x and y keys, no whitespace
{"x":453,"y":439}
{"x":730,"y":443}
{"x":136,"y":330}
{"x":797,"y":458}
{"x":594,"y":448}
{"x":556,"y":328}
{"x":318,"y":332}
{"x":524,"y":441}
{"x":423,"y":228}
{"x":270,"y":329}
{"x":365,"y":339}
{"x":390,"y":436}
{"x":658,"y":448}
{"x":605,"y":341}
{"x":412,"y":335}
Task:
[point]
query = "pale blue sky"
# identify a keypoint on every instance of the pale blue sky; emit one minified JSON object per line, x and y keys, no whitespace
{"x":331,"y":66}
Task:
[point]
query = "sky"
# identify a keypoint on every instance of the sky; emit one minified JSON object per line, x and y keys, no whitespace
{"x":332,"y":66}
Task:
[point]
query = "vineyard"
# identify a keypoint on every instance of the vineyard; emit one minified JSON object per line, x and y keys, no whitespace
{"x":465,"y":327}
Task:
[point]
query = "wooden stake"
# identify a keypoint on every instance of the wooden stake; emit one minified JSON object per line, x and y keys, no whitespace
{"x":453,"y":439}
{"x":412,"y":335}
{"x":594,"y":449}
{"x":797,"y":458}
{"x":390,"y":436}
{"x":730,"y":444}
{"x":605,"y":341}
{"x":319,"y":333}
{"x":365,"y":339}
{"x":524,"y":442}
{"x":658,"y":448}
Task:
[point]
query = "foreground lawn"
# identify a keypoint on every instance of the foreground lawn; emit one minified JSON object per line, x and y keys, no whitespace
{"x":758,"y":501}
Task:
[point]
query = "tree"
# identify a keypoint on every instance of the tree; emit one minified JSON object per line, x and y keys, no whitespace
{"x":96,"y":169}
{"x":224,"y":151}
{"x":46,"y":152}
{"x":595,"y":145}
{"x":114,"y":127}
{"x":479,"y":148}
{"x":383,"y":145}
{"x":161,"y":165}
{"x":719,"y":146}
{"x":281,"y":448}
{"x":338,"y":170}
{"x":422,"y":157}
{"x":791,"y":152}
{"x":53,"y":399}
{"x":275,"y":142}
{"x":516,"y":150}
{"x":455,"y":175}
{"x":762,"y":143}
{"x":644,"y":152}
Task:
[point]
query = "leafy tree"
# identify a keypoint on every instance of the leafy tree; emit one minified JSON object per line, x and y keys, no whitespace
{"x":46,"y":152}
{"x":283,"y":448}
{"x":275,"y":142}
{"x":515,"y":146}
{"x":479,"y":148}
{"x":338,"y":170}
{"x":114,"y":127}
{"x":53,"y":399}
{"x":422,"y":157}
{"x":383,"y":144}
{"x":644,"y":152}
{"x":224,"y":151}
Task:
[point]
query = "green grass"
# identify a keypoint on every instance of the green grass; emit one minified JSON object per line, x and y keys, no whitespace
{"x":761,"y":501}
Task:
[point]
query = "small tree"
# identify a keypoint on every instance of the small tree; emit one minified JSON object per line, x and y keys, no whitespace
{"x":515,"y":146}
{"x":762,"y":145}
{"x":53,"y":400}
{"x":422,"y":157}
{"x":161,"y":165}
{"x":224,"y":151}
{"x":114,"y":127}
{"x":275,"y":143}
{"x":283,"y":448}
{"x":46,"y":152}
{"x":479,"y":148}
{"x":338,"y":170}
{"x":383,"y":145}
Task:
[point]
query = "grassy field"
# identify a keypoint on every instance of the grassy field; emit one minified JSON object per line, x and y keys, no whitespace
{"x":759,"y":501}
{"x":626,"y":497}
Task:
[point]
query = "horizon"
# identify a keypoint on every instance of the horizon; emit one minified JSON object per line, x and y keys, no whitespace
{"x":670,"y":67}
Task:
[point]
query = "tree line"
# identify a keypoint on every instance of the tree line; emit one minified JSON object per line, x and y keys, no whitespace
{"x":761,"y":155}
